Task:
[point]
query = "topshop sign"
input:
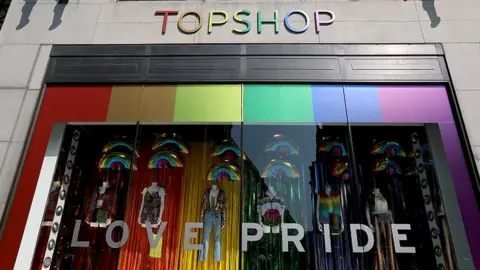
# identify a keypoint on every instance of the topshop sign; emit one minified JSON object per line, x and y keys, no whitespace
{"x":242,"y":20}
{"x":355,"y":231}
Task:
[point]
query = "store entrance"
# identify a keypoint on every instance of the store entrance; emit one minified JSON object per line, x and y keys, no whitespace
{"x":325,"y":178}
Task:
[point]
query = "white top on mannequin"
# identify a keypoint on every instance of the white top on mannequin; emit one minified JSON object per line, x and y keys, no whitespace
{"x":213,"y":195}
{"x":380,"y":207}
{"x":271,"y":193}
{"x":101,"y":190}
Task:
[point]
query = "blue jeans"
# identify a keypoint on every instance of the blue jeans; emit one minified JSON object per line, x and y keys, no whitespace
{"x":211,"y":219}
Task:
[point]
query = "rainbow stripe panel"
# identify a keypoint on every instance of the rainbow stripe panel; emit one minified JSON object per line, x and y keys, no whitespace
{"x":280,"y":103}
{"x":342,"y":103}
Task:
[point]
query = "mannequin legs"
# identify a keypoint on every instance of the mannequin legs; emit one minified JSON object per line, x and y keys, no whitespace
{"x":390,"y":247}
{"x":378,"y":240}
{"x":211,"y":220}
{"x":384,"y":261}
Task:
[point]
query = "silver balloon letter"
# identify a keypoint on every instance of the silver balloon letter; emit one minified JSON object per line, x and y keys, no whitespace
{"x":293,"y":238}
{"x":108,"y":236}
{"x":76,"y":231}
{"x":191,"y":235}
{"x":326,"y":237}
{"x":397,"y":237}
{"x":154,"y":241}
{"x":357,"y":249}
{"x":252,"y":237}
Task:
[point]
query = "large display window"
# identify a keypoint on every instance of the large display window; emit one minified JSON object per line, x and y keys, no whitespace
{"x":257,"y":177}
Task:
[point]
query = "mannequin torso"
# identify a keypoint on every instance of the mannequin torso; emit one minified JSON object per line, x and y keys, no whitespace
{"x":329,"y":211}
{"x":380,"y":205}
{"x":152,"y":206}
{"x":154,"y":188}
{"x":379,"y":208}
{"x":102,"y":206}
{"x":213,"y":196}
{"x":214,"y":200}
{"x":271,"y":208}
{"x":101,"y":191}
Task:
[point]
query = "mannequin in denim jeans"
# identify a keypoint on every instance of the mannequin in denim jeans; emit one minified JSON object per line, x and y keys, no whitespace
{"x":214,"y":204}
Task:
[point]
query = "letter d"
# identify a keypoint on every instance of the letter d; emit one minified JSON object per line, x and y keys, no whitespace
{"x":356,"y":248}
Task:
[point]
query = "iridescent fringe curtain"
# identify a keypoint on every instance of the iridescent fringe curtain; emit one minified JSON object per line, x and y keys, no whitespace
{"x":199,"y":161}
{"x":135,"y":254}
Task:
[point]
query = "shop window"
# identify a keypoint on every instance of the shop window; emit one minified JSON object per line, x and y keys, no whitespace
{"x":278,"y":191}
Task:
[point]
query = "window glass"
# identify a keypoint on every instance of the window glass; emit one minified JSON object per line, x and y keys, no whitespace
{"x":302,"y":177}
{"x":400,"y":195}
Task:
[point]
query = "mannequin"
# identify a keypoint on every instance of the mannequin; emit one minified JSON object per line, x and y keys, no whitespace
{"x":153,"y":203}
{"x":329,"y":211}
{"x":102,"y":206}
{"x":378,"y":208}
{"x":213,"y":214}
{"x":271,"y":209}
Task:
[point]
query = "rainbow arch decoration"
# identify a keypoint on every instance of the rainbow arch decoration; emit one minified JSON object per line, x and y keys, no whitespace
{"x":165,"y":142}
{"x":278,"y":168}
{"x":334,"y":147}
{"x":227,"y":146}
{"x":114,"y":160}
{"x":339,"y":167}
{"x":165,"y":159}
{"x":282,"y":145}
{"x":220,"y":170}
{"x":117,"y":145}
{"x":392,"y":149}
{"x":387,"y":165}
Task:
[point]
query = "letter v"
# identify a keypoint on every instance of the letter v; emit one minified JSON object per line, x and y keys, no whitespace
{"x":154,"y":242}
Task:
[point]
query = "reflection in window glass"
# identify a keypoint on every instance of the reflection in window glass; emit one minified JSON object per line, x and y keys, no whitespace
{"x":277,"y":193}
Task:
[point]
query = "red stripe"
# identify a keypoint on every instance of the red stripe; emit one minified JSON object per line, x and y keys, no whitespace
{"x":60,"y":104}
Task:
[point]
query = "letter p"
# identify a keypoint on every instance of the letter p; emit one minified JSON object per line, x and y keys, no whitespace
{"x":253,"y":237}
{"x":211,"y":23}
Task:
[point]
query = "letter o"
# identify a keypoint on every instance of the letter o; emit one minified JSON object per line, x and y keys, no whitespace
{"x":108,"y":235}
{"x":290,"y":27}
{"x":191,"y":31}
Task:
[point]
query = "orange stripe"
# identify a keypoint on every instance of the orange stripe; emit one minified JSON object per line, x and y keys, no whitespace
{"x":158,"y":103}
{"x":125,"y":103}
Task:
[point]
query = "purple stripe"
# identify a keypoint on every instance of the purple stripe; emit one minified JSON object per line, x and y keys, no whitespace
{"x":415,"y":104}
{"x":363,"y":104}
{"x":328,"y":104}
{"x":463,"y":187}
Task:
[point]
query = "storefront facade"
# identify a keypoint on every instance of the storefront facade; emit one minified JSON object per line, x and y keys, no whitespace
{"x":322,"y":135}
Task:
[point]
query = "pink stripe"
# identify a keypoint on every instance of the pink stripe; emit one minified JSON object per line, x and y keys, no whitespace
{"x":415,"y":104}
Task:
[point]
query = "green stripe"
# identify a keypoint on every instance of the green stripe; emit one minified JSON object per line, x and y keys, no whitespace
{"x":277,"y":104}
